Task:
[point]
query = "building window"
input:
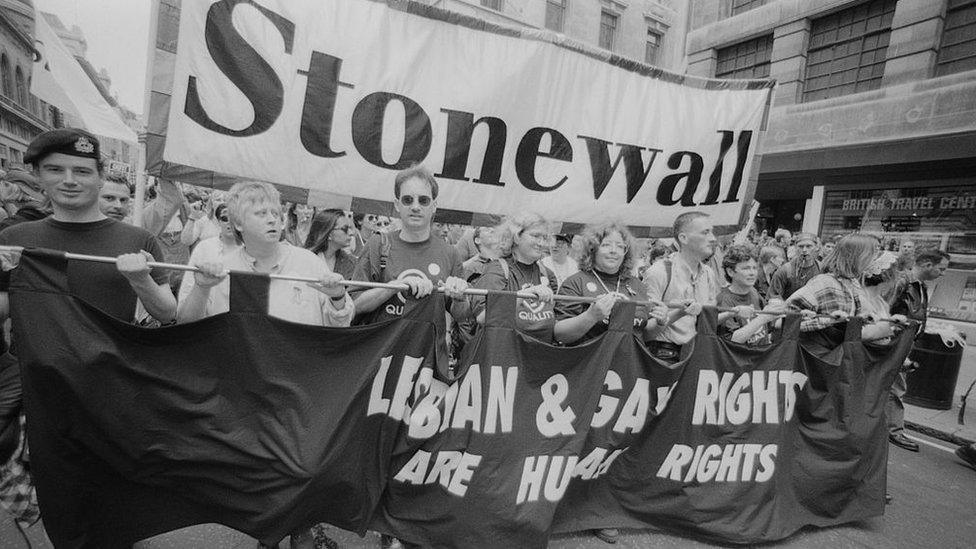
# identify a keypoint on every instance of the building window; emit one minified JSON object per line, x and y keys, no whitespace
{"x":750,"y":59}
{"x":742,"y":6}
{"x":497,"y":5}
{"x":608,"y":29}
{"x":847,"y":50}
{"x":652,"y":46}
{"x":555,"y":14}
{"x":8,"y":88}
{"x":958,"y":50}
{"x":21,"y":87}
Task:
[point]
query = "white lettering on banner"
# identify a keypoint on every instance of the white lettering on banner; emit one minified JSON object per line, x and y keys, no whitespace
{"x":316,"y":95}
{"x":547,"y":476}
{"x":550,"y":418}
{"x":748,"y":397}
{"x":596,"y":463}
{"x":462,"y":404}
{"x":717,"y":463}
{"x":451,"y":469}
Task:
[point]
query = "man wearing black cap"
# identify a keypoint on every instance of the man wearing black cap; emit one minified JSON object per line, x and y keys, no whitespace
{"x":559,"y":261}
{"x":68,"y":167}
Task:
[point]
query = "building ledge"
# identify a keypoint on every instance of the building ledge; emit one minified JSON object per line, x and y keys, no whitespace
{"x":924,"y":108}
{"x":23,"y":114}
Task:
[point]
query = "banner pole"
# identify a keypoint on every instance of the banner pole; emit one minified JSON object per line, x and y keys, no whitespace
{"x":16,"y":250}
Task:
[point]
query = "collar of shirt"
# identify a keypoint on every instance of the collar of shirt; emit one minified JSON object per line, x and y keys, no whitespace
{"x":679,"y":260}
{"x":251,"y":261}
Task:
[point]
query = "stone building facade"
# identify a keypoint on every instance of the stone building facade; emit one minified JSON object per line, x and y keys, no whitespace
{"x":649,"y":31}
{"x":22,"y":116}
{"x":873,"y":126}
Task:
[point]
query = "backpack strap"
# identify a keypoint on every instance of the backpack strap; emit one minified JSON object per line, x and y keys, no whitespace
{"x":382,"y":257}
{"x":505,"y":269}
{"x":668,"y":270}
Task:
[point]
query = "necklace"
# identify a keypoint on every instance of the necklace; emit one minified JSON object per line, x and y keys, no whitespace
{"x":600,"y":280}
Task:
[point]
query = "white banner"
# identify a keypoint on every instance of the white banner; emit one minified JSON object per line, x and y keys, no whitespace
{"x":59,"y":80}
{"x":337,"y":95}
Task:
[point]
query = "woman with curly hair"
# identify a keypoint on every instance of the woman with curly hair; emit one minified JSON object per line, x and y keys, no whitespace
{"x":523,"y":241}
{"x":606,"y":264}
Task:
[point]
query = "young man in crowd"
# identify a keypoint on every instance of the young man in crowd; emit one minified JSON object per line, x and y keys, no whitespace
{"x":408,"y":256}
{"x":771,"y":258}
{"x":67,"y":165}
{"x":911,"y":298}
{"x":740,"y":269}
{"x":558,"y":260}
{"x":115,"y":198}
{"x":686,"y":279}
{"x":795,"y":273}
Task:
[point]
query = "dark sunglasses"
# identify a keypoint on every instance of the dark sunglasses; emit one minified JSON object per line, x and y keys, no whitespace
{"x":423,"y":200}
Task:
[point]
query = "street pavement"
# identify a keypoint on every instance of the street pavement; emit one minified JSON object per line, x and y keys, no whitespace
{"x":934,"y":502}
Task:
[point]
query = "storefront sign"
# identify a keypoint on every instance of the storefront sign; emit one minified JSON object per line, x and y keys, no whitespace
{"x":911,"y":204}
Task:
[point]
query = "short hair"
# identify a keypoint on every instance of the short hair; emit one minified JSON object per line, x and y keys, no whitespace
{"x":782,"y":232}
{"x":657,"y":250}
{"x":518,"y":223}
{"x":930,"y":255}
{"x":417,"y":171}
{"x":120,"y":180}
{"x":246,"y":193}
{"x":594,"y":234}
{"x":683,"y":221}
{"x":734,"y":256}
{"x":851,"y":256}
{"x":767,"y":253}
{"x":806,"y":236}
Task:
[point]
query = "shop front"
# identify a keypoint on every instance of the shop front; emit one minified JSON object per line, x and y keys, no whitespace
{"x":931,"y":214}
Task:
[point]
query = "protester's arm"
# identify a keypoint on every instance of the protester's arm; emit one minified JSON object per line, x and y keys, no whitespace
{"x":337,"y":307}
{"x":570,"y":330}
{"x":158,"y":214}
{"x":192,"y":228}
{"x":157,"y":298}
{"x":193,"y":304}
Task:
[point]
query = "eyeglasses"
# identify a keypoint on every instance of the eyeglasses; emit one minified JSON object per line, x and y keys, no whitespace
{"x":423,"y":200}
{"x":383,"y":223}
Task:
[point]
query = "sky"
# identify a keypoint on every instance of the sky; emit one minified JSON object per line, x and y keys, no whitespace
{"x":117,"y":33}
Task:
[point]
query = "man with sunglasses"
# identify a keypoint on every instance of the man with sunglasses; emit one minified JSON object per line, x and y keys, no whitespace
{"x":410,"y":255}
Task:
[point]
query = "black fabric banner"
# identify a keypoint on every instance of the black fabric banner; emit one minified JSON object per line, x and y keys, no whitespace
{"x":268,"y":426}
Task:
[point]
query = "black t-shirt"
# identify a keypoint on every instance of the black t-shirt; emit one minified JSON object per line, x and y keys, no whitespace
{"x":534,"y":318}
{"x":595,"y":284}
{"x":727,"y":298}
{"x":433,"y":259}
{"x":99,"y":284}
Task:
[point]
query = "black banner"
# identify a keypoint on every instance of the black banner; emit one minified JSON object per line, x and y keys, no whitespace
{"x":269,"y":426}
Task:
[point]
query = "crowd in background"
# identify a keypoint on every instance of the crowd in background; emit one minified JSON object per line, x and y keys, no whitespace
{"x":754,"y":278}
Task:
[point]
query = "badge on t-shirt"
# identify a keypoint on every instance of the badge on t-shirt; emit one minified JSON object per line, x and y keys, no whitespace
{"x":591,"y":287}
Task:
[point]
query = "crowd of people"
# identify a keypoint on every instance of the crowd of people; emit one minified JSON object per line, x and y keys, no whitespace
{"x":66,"y":202}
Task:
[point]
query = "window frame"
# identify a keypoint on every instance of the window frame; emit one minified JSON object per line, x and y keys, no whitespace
{"x":760,"y":45}
{"x":944,"y":66}
{"x":613,"y":17}
{"x":561,"y":6}
{"x":846,"y":20}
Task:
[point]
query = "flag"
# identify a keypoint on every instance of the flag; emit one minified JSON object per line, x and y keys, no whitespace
{"x":59,"y":80}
